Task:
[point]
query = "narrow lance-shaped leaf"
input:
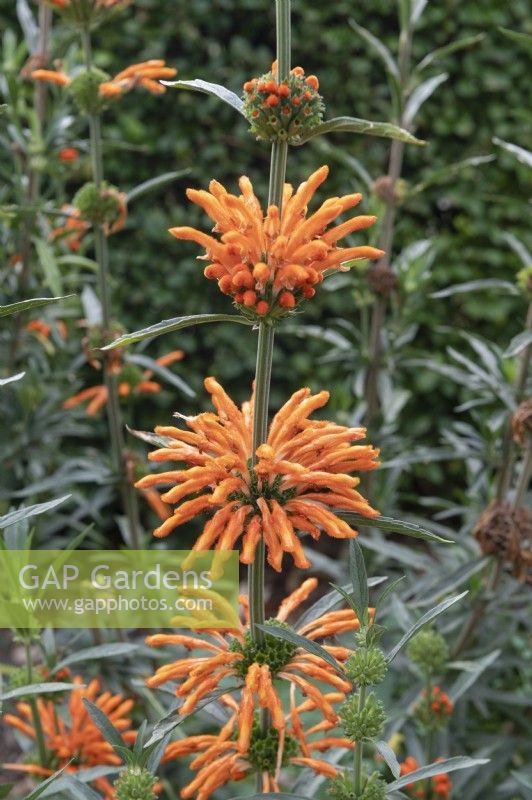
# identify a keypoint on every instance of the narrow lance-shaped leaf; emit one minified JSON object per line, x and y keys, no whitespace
{"x":12,"y":378}
{"x":174,"y":324}
{"x":449,"y":49}
{"x":39,"y":790}
{"x":385,"y":55}
{"x":26,"y":305}
{"x":517,"y":36}
{"x":38,"y":688}
{"x":30,"y":511}
{"x":440,"y":767}
{"x":448,"y":172}
{"x":301,"y":641}
{"x":518,"y":344}
{"x":271,"y":796}
{"x":155,"y":183}
{"x":389,"y":756}
{"x":162,"y":372}
{"x":392,"y":525}
{"x":359,"y":579}
{"x":118,"y":649}
{"x":427,"y":617}
{"x":214,"y":89}
{"x":362,"y":126}
{"x":421,"y":95}
{"x":475,"y":286}
{"x":104,"y":724}
{"x":522,"y":155}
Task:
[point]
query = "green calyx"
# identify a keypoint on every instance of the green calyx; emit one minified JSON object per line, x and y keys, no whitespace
{"x":98,"y":205}
{"x":263,"y":749}
{"x":429,"y":651}
{"x":262,"y":488}
{"x":367,"y":667}
{"x":135,"y":784}
{"x":276,"y":653}
{"x":85,"y":89}
{"x":524,"y":281}
{"x":283,"y":112}
{"x":365,"y":723}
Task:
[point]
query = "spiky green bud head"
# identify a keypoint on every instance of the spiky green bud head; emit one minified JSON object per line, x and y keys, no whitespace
{"x":98,"y":205}
{"x":524,"y":281}
{"x":374,"y":788}
{"x":283,"y":111}
{"x":130,"y":374}
{"x":85,"y":89}
{"x":263,"y":749}
{"x":135,"y":783}
{"x":276,"y":653}
{"x":429,"y":650}
{"x":367,"y":667}
{"x":367,"y":723}
{"x":341,"y":788}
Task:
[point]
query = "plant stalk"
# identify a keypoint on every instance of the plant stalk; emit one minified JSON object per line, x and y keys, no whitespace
{"x":359,"y":748}
{"x":39,"y":733}
{"x":101,"y":250}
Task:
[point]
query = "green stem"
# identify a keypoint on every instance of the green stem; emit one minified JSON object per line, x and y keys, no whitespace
{"x":101,"y":250}
{"x":39,"y":733}
{"x":430,"y":734}
{"x":359,"y":748}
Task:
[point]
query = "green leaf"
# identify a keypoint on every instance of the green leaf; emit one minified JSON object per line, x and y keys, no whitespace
{"x":385,"y":55}
{"x":475,"y":286}
{"x":306,"y":644}
{"x":392,"y":525}
{"x":175,"y":324}
{"x":12,"y":378}
{"x":25,"y":305}
{"x":73,"y":788}
{"x":162,"y":372}
{"x":39,"y":688}
{"x":472,"y":671}
{"x":155,"y":183}
{"x":518,"y":343}
{"x":347,"y":597}
{"x":156,"y":754}
{"x":78,"y":261}
{"x":389,"y":756}
{"x":119,"y":649}
{"x":52,"y":274}
{"x":214,"y":89}
{"x":427,"y":617}
{"x":440,"y":767}
{"x":381,"y":599}
{"x":270,"y":795}
{"x":362,"y":126}
{"x":448,"y":172}
{"x":421,"y":95}
{"x":30,"y":511}
{"x":104,"y":724}
{"x":448,"y":49}
{"x":5,"y":789}
{"x":517,"y":36}
{"x":39,"y":790}
{"x":522,"y":155}
{"x":330,"y":600}
{"x":359,"y":579}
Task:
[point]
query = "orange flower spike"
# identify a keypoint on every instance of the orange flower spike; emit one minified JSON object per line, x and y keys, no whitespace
{"x":51,"y":76}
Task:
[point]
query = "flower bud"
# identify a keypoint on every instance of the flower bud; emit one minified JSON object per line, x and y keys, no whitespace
{"x":367,"y":667}
{"x":283,"y":111}
{"x":99,"y":205}
{"x":135,"y":783}
{"x":85,"y":88}
{"x":365,"y":723}
{"x":428,"y":649}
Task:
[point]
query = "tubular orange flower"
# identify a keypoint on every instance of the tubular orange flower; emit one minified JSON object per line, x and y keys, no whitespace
{"x":302,"y":474}
{"x":220,"y":759}
{"x":68,"y":154}
{"x":257,"y":668}
{"x":44,"y":329}
{"x":51,"y":76}
{"x":145,"y":74}
{"x":73,"y":230}
{"x":270,"y":263}
{"x":76,"y":738}
{"x":130,"y":381}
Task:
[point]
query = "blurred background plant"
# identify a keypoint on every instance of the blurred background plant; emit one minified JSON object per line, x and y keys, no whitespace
{"x":447,"y":364}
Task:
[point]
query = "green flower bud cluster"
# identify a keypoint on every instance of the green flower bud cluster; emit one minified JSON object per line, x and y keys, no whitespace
{"x":341,"y":788}
{"x":135,"y":783}
{"x":98,"y":205}
{"x":85,"y":89}
{"x":263,"y":749}
{"x":130,"y":374}
{"x":362,"y":723}
{"x":276,"y":653}
{"x":367,"y":667}
{"x":429,"y":651}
